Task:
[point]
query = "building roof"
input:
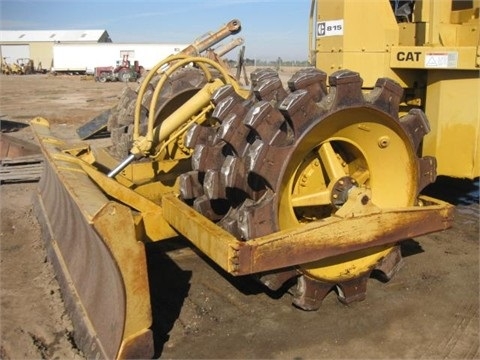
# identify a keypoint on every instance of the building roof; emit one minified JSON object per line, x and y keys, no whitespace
{"x":16,"y":36}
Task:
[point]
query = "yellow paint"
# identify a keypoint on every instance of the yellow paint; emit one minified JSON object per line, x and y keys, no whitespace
{"x":454,"y":112}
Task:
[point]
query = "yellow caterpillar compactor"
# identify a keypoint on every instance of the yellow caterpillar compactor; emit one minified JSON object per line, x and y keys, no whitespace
{"x":317,"y":179}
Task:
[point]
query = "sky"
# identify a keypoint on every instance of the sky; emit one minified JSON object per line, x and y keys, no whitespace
{"x":270,"y":28}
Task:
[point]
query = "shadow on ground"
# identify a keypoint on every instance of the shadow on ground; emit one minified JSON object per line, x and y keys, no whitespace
{"x":169,"y":286}
{"x":455,"y":191}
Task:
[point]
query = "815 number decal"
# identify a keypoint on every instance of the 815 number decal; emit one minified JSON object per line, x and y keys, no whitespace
{"x":330,"y":28}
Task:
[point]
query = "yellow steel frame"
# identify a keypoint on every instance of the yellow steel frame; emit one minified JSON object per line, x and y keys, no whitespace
{"x":311,"y":242}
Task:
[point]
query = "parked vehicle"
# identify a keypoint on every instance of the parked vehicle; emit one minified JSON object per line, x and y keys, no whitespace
{"x":124,"y":71}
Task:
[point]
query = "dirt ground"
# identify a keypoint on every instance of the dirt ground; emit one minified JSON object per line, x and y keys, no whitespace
{"x":430,"y":310}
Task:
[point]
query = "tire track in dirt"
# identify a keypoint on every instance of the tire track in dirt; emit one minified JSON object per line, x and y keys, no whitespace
{"x":462,"y":341}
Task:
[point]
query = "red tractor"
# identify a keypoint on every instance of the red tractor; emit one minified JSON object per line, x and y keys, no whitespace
{"x":124,"y":71}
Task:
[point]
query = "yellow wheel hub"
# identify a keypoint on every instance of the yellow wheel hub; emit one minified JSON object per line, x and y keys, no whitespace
{"x":352,"y":148}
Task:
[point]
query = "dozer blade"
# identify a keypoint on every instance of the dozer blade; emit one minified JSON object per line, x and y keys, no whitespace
{"x":100,"y":265}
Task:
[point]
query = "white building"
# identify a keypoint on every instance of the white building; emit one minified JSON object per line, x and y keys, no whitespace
{"x":38,"y":44}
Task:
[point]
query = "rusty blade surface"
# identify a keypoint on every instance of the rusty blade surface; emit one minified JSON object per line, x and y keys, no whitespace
{"x":90,"y":281}
{"x":98,"y":261}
